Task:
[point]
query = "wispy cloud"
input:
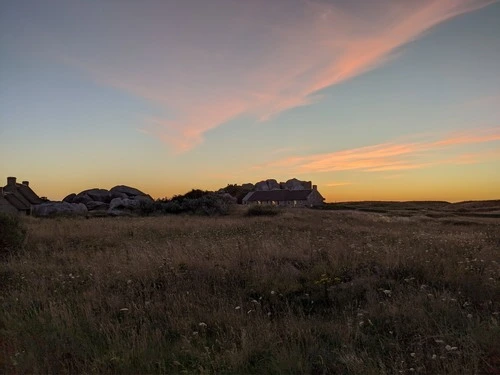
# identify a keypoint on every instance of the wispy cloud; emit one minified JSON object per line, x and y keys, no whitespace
{"x":393,"y":156}
{"x":255,"y":58}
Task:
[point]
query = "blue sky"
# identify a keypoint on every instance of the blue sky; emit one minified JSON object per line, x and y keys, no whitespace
{"x":381,"y":100}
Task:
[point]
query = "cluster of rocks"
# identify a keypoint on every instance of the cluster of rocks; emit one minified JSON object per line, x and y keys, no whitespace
{"x":240,"y":191}
{"x":292,"y":184}
{"x":59,"y":208}
{"x":118,"y":201}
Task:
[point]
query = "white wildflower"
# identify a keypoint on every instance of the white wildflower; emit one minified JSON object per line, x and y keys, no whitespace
{"x":202,"y":324}
{"x":237,"y":307}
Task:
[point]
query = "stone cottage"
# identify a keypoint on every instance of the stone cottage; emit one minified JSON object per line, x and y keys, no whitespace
{"x":16,"y":197}
{"x":286,"y":198}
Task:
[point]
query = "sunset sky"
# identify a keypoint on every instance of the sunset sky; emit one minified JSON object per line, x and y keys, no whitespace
{"x":371,"y":100}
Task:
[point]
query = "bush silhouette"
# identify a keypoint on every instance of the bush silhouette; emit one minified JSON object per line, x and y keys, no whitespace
{"x":12,"y":234}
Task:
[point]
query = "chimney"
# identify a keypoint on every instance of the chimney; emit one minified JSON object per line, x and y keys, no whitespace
{"x":27,"y":183}
{"x":11,"y":181}
{"x":315,"y":187}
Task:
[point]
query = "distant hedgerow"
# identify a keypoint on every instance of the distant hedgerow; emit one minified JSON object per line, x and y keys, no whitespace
{"x":196,"y":202}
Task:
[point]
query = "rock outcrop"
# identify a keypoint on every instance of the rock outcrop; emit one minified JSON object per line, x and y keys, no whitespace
{"x":125,"y":203}
{"x":97,"y":195}
{"x":292,"y":184}
{"x":59,"y":209}
{"x":240,"y":191}
{"x":81,"y":198}
{"x":295,"y":184}
{"x":96,"y":205}
{"x":117,"y":201}
{"x":69,"y":198}
{"x":267,"y":185}
{"x":129,"y":191}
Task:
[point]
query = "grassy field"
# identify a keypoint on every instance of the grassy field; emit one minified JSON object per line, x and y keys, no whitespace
{"x":307,"y":291}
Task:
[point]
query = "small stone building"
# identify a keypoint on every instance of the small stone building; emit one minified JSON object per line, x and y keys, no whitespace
{"x":286,"y":198}
{"x":5,"y":205}
{"x":15,"y":197}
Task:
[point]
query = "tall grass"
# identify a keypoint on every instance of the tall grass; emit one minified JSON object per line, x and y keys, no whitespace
{"x":319,"y":292}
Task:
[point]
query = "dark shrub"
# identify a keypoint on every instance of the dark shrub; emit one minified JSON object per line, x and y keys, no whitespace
{"x":193,"y":194}
{"x":12,"y":234}
{"x":262,"y":210}
{"x":172,"y":207}
{"x":208,"y":204}
{"x":238,"y":191}
{"x":147,"y":208}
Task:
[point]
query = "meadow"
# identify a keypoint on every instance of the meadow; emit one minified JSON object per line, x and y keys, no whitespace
{"x":306,"y":291}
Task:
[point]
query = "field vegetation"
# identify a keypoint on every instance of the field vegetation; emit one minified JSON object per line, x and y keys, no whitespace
{"x":304,"y":291}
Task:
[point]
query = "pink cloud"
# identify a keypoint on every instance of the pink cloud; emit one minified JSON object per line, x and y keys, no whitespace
{"x":258,"y":59}
{"x":397,"y":157}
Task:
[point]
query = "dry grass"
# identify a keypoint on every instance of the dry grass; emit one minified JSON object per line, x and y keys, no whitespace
{"x":320,"y":292}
